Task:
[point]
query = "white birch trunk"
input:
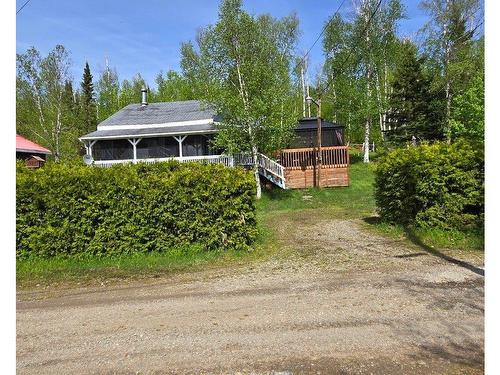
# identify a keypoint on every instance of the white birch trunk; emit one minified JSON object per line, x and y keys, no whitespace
{"x":303,"y":91}
{"x":256,"y":173}
{"x":366,"y":156}
{"x":447,"y":77}
{"x":244,"y":98}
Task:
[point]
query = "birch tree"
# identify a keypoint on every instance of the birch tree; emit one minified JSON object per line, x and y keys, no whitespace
{"x":244,"y":64}
{"x":452,"y":26}
{"x":360,"y":58}
{"x":40,"y":88}
{"x":108,"y":91}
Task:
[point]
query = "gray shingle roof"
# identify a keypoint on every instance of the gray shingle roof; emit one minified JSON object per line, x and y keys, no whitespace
{"x":151,"y":132}
{"x":159,"y":113}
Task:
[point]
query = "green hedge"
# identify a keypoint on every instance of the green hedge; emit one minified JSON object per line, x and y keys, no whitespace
{"x":438,"y":185}
{"x":75,"y":210}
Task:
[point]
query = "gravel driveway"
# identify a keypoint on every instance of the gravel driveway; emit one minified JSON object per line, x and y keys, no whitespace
{"x":342,"y":301}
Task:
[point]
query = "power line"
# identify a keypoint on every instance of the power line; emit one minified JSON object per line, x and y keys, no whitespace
{"x":26,"y":3}
{"x":302,"y":60}
{"x":328,"y":82}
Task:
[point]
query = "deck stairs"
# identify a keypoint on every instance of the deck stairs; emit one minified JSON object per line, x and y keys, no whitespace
{"x":268,"y":168}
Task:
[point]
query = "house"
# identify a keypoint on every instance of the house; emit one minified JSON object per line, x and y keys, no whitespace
{"x":33,"y":154}
{"x":150,"y":132}
{"x":153,"y":132}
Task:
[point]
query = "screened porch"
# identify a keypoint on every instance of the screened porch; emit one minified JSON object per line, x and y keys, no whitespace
{"x":123,"y":150}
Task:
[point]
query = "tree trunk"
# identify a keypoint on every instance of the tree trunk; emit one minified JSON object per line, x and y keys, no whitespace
{"x":256,"y":173}
{"x":57,"y":154}
{"x":448,"y":112}
{"x":303,"y":91}
{"x":244,"y":98}
{"x":366,"y":156}
{"x":334,"y":102}
{"x":447,"y":76}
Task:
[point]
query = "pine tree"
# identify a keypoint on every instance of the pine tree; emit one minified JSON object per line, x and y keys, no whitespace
{"x":88,"y":104}
{"x":414,"y":107}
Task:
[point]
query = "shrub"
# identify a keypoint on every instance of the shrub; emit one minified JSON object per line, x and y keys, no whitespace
{"x":75,"y":210}
{"x":436,"y":185}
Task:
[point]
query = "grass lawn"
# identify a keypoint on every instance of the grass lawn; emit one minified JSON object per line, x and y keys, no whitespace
{"x":353,"y":202}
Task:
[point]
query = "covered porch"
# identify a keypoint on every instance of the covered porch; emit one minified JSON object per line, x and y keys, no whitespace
{"x":106,"y":151}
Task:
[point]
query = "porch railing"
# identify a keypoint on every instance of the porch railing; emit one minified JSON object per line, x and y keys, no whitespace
{"x":305,"y":158}
{"x":228,"y":161}
{"x":268,"y":168}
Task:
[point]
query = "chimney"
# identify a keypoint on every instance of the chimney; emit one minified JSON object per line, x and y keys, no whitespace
{"x":144,"y":101}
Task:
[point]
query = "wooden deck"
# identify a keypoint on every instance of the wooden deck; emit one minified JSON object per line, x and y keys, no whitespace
{"x":301,"y":169}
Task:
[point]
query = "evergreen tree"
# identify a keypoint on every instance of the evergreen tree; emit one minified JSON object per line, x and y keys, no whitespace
{"x":414,"y":107}
{"x":88,"y":103}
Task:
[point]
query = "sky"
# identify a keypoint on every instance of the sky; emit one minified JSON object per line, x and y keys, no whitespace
{"x":145,"y":36}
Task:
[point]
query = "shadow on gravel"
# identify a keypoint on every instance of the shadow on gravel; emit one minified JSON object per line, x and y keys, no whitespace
{"x":466,"y":351}
{"x":410,"y":235}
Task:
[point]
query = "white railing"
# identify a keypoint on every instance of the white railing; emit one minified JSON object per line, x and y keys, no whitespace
{"x":228,"y":161}
{"x":267,"y":167}
{"x":271,"y":166}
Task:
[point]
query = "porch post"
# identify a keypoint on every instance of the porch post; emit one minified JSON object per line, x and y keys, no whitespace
{"x":134,"y":142}
{"x":88,"y":147}
{"x":180,"y":140}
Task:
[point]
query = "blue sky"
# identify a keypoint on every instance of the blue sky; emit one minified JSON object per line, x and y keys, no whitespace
{"x":145,"y":36}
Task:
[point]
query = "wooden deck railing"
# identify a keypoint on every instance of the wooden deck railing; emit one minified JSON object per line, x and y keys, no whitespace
{"x":305,"y":158}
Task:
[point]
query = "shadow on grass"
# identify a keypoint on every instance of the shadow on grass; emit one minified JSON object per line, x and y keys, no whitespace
{"x":410,"y":235}
{"x":274,"y":192}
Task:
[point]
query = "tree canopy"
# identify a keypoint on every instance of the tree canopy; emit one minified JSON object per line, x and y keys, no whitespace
{"x":380,"y":86}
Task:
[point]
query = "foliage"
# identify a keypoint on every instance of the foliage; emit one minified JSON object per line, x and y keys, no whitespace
{"x":360,"y":59}
{"x":414,"y":107}
{"x":88,"y":104}
{"x":467,"y":117}
{"x":243,"y":65}
{"x":108,"y":93}
{"x":130,"y":91}
{"x":433,"y":186}
{"x":74,"y":210}
{"x":173,"y":87}
{"x":40,"y":110}
{"x":450,"y":33}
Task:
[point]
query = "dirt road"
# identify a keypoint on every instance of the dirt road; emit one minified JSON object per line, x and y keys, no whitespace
{"x":344,"y":301}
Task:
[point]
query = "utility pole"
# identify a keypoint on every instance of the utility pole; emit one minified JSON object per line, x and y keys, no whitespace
{"x":319,"y":159}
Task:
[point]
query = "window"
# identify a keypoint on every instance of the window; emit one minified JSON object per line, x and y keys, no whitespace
{"x":115,"y":149}
{"x":161,"y":147}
